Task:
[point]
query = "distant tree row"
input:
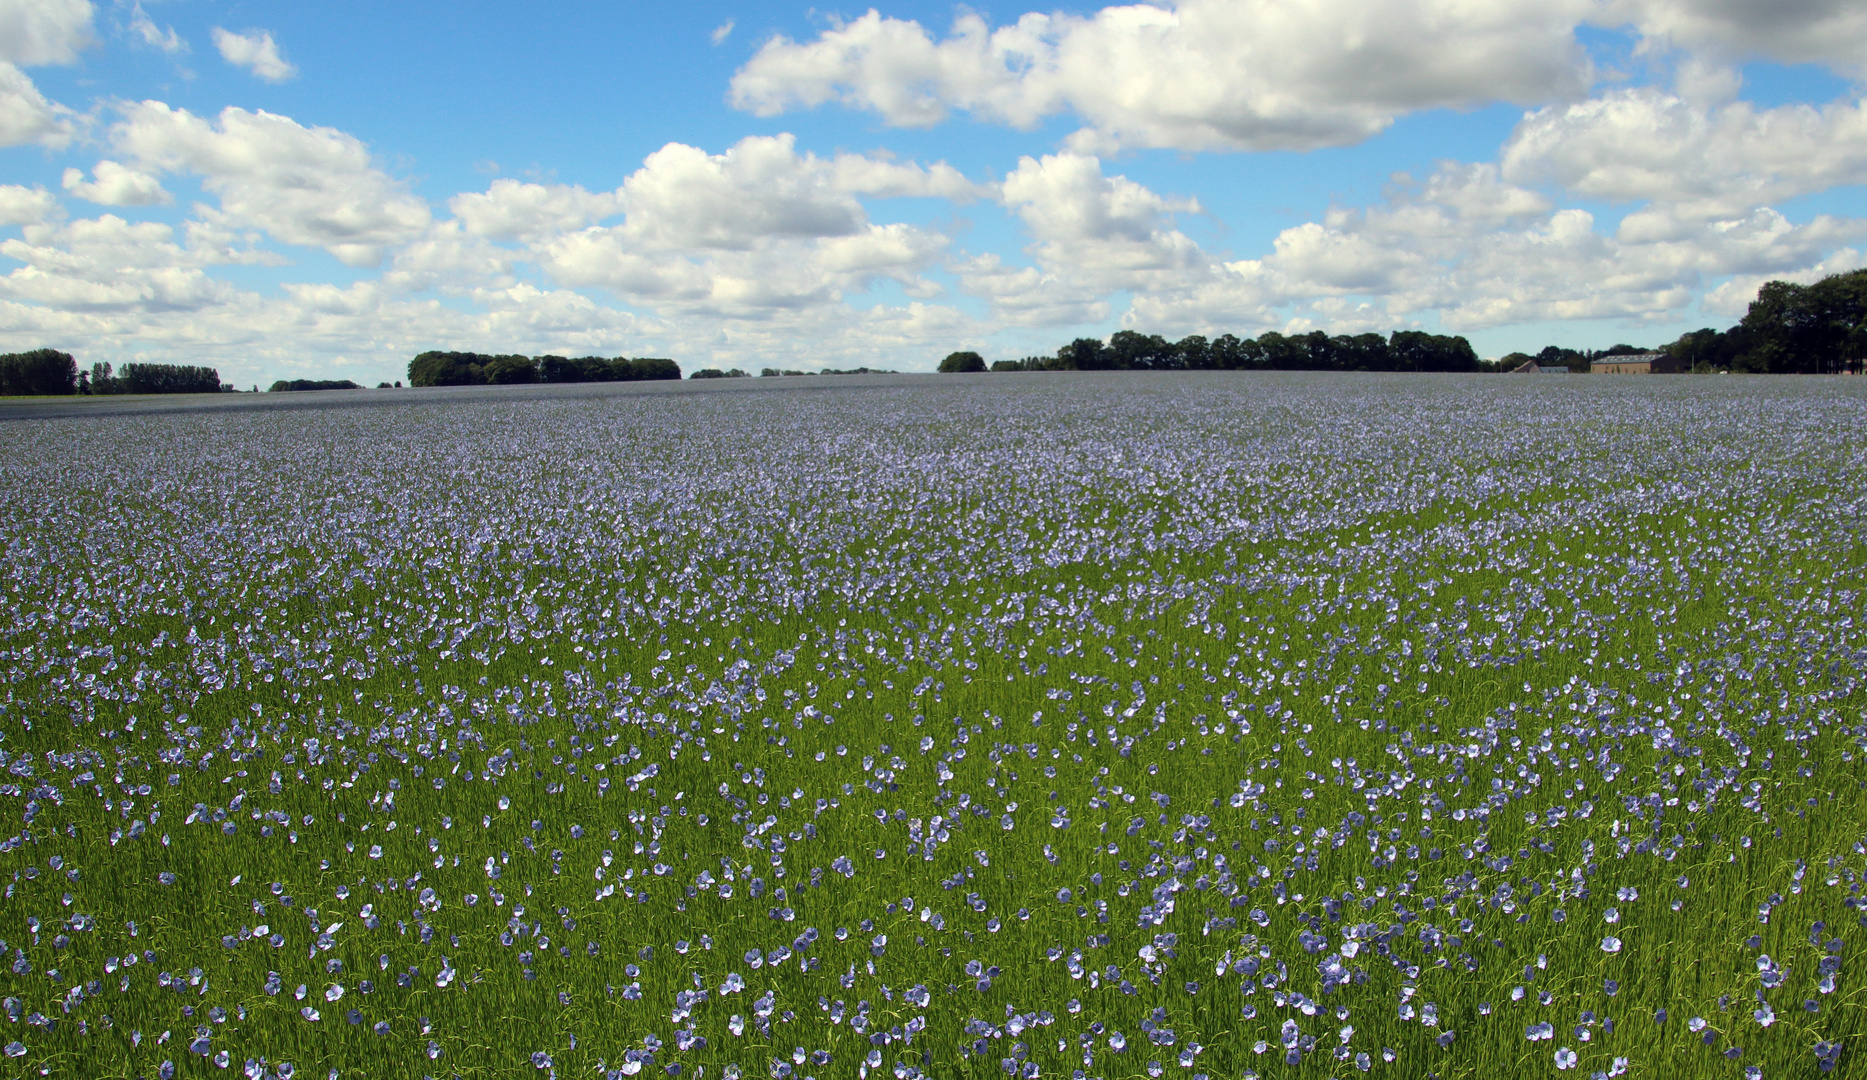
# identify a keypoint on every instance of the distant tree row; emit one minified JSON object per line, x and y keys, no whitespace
{"x":772,"y":373}
{"x":1127,"y":350}
{"x":1790,"y":329}
{"x":477,"y":369}
{"x":48,"y":372}
{"x":284,"y":385}
{"x":151,"y":379}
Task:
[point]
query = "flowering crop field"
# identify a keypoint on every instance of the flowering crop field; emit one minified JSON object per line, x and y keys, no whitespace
{"x":1063,"y":726}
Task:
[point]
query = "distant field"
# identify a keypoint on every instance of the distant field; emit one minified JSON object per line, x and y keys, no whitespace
{"x":1038,"y":725}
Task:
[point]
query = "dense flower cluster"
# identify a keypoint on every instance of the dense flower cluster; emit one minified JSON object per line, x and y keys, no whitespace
{"x":1201,"y":726}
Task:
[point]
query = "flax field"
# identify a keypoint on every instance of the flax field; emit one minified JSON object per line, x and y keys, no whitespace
{"x":1197,"y":726}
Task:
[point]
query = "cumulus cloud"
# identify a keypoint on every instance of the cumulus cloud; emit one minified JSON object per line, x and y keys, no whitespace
{"x":1645,"y":144}
{"x":1830,"y":32}
{"x":37,"y":32}
{"x":1027,"y":296}
{"x":759,"y":189}
{"x":256,"y":52}
{"x":109,"y":264}
{"x":154,"y":36}
{"x":1096,"y":231}
{"x":1482,"y":252}
{"x":1199,"y":75}
{"x":311,"y":186}
{"x":26,"y":205}
{"x":1734,"y":297}
{"x":44,"y":31}
{"x":1273,"y":74}
{"x":451,"y":258}
{"x":511,"y":210}
{"x":754,"y":248}
{"x":131,"y":291}
{"x":858,"y":174}
{"x":26,"y":116}
{"x":755,"y":228}
{"x":116,"y":185}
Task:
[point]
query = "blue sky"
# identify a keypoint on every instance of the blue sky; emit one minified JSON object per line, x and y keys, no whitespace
{"x":324,"y":190}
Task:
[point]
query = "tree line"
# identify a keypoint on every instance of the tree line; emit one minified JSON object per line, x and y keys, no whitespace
{"x":1790,"y":329}
{"x":285,"y":385}
{"x":1128,"y":350}
{"x":49,"y":372}
{"x":477,"y":369}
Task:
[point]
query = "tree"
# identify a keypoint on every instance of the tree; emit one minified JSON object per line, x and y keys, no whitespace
{"x":284,"y":385}
{"x":1809,"y":329}
{"x":1228,"y":353}
{"x":1193,"y":353}
{"x":1279,"y":353}
{"x":962,"y":363}
{"x":559,"y":369}
{"x":1362,"y":352}
{"x":510,"y":370}
{"x":1707,"y":349}
{"x":1084,"y":354}
{"x":167,"y":379}
{"x":41,"y":371}
{"x":1131,"y":351}
{"x":446,"y":369}
{"x":653,"y":367}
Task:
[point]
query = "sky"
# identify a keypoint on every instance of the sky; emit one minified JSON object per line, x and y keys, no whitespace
{"x":325,"y":190}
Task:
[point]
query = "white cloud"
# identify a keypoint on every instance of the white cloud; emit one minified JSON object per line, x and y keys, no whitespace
{"x":722,"y":32}
{"x":1481,"y":252}
{"x":43,"y":31}
{"x":311,"y":186}
{"x":858,"y":174}
{"x":26,"y":116}
{"x":154,"y":36}
{"x":1831,"y":32}
{"x":37,"y":32}
{"x":1027,"y":296}
{"x":510,"y":209}
{"x":1274,"y":74}
{"x":1734,"y":297}
{"x":683,"y":197}
{"x":1643,"y":143}
{"x":452,"y":259}
{"x":255,"y":51}
{"x":26,"y":205}
{"x":755,"y":228}
{"x":116,"y":185}
{"x":1095,"y":230}
{"x":109,"y":264}
{"x":1200,"y":75}
{"x":115,"y":290}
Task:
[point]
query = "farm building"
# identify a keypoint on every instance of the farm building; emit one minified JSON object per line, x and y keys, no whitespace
{"x":1635,"y":364}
